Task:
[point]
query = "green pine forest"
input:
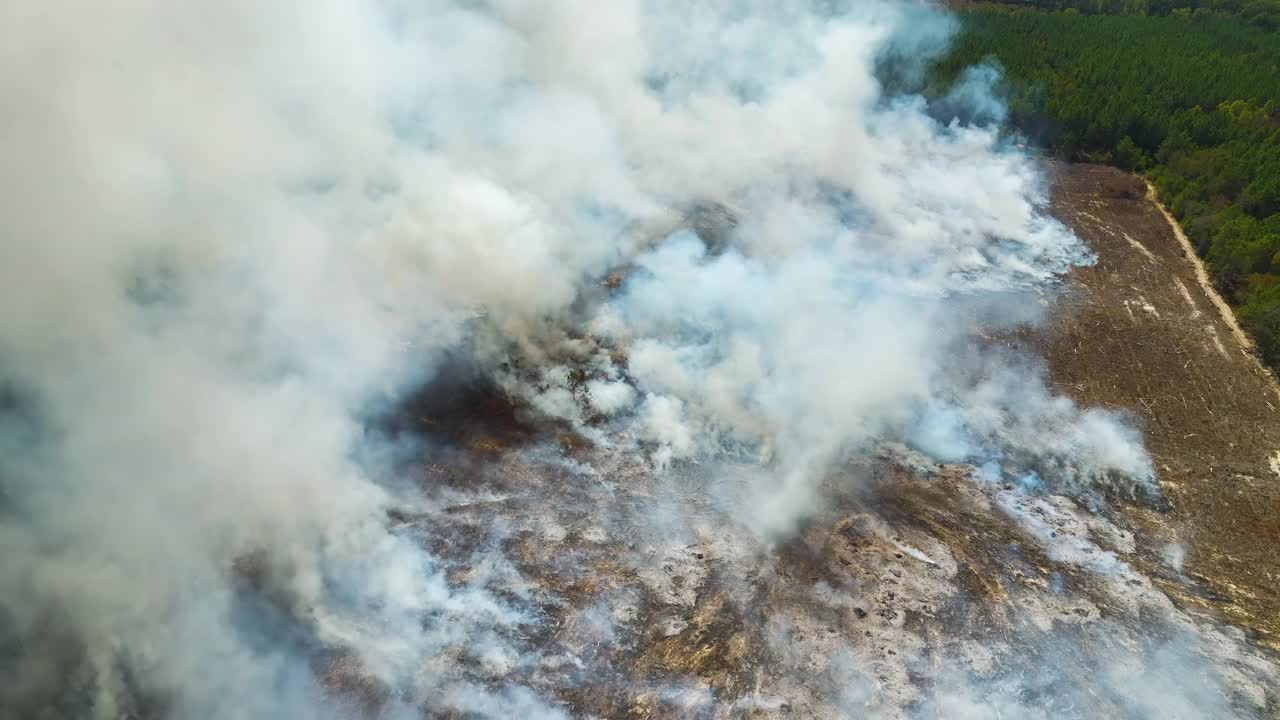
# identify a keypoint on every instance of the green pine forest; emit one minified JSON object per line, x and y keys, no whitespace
{"x":1186,"y":93}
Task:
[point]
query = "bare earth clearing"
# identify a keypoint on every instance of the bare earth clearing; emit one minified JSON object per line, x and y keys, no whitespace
{"x":1142,"y":334}
{"x":921,"y":590}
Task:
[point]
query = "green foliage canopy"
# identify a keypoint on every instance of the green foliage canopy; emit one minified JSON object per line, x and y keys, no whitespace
{"x":1186,"y":92}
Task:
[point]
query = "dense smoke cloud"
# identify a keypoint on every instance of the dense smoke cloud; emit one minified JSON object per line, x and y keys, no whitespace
{"x":232,"y":233}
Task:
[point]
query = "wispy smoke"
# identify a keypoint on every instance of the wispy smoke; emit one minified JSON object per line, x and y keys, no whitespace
{"x":233,"y":233}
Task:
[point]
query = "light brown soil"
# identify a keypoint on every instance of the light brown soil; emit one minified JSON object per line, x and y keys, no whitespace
{"x":1140,"y":331}
{"x":1202,"y":275}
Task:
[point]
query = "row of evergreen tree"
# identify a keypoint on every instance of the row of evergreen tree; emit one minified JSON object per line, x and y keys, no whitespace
{"x":1190,"y":97}
{"x":1263,"y":13}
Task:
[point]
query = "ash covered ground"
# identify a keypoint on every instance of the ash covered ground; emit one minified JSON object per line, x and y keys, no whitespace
{"x":576,"y":360}
{"x":919,"y":589}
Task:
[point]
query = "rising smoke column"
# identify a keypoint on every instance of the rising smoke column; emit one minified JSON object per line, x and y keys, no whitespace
{"x":232,"y":233}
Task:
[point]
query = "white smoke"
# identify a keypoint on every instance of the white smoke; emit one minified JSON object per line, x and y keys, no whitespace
{"x":233,"y":232}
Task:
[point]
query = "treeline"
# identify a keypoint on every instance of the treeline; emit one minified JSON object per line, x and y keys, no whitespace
{"x":1192,"y":100}
{"x":1262,"y":13}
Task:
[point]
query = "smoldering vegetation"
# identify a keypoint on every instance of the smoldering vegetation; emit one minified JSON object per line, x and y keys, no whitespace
{"x":515,"y":358}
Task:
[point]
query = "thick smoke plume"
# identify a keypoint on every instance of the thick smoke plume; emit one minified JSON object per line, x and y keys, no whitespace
{"x":233,"y":234}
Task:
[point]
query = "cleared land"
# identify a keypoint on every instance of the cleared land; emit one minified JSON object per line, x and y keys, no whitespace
{"x":1140,"y":331}
{"x":919,"y":588}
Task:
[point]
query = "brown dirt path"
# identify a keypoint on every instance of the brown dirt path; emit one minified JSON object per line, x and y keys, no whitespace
{"x":1202,"y":275}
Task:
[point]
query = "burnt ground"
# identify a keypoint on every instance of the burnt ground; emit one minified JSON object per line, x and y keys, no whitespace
{"x":919,"y":590}
{"x":1138,"y":332}
{"x":585,"y":585}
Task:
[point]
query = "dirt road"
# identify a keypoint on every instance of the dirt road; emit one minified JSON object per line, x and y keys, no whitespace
{"x":1202,"y":275}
